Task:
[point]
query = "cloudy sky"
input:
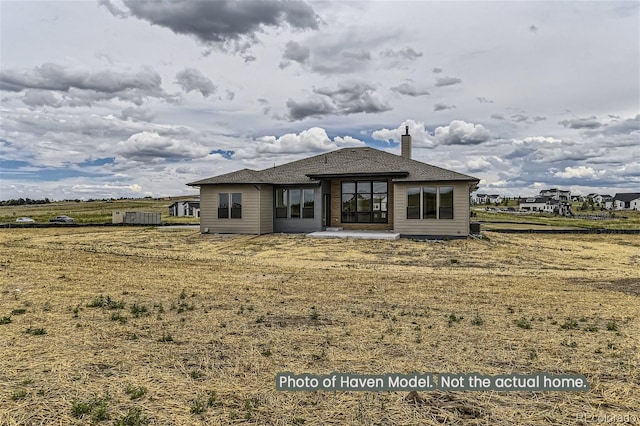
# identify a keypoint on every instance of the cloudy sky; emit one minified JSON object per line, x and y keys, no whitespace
{"x":135,"y":98}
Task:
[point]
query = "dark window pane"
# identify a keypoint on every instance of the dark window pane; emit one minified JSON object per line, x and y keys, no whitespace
{"x":348,"y":217}
{"x":223,"y":200}
{"x":364,"y":187}
{"x":413,"y":212}
{"x":348,"y":203}
{"x":364,"y":202}
{"x":308,"y":203}
{"x":236,"y":205}
{"x":282,"y":196}
{"x":308,"y":197}
{"x":413,"y":203}
{"x":364,"y":217}
{"x":380,"y":217}
{"x":446,"y":202}
{"x":295,"y":203}
{"x":223,"y":206}
{"x":380,"y":202}
{"x":282,"y":203}
{"x":429,"y":202}
{"x":379,"y":186}
{"x":348,"y":187}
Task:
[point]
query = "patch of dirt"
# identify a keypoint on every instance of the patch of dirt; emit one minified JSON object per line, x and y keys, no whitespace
{"x":296,"y":321}
{"x":623,"y":285}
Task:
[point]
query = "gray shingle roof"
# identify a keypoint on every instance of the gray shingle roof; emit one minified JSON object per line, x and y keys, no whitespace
{"x":627,"y":196}
{"x":341,"y":163}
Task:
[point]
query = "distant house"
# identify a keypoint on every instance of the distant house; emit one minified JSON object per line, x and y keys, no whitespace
{"x":624,"y":201}
{"x":352,"y":188}
{"x":495,"y":198}
{"x":185,"y":208}
{"x":534,"y":204}
{"x":600,"y":198}
{"x":578,"y":198}
{"x":545,"y":205}
{"x":485,"y":199}
{"x":479,"y":198}
{"x":556,"y":194}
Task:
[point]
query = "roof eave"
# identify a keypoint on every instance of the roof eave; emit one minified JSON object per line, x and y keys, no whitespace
{"x":462,"y":179}
{"x":359,"y":174}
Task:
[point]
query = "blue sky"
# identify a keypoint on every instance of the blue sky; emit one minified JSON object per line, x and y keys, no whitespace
{"x":137,"y":98}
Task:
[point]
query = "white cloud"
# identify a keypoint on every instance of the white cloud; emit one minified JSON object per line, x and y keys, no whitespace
{"x":462,"y":133}
{"x":420,"y":136}
{"x":313,"y":140}
{"x":581,"y":172}
{"x":150,"y":146}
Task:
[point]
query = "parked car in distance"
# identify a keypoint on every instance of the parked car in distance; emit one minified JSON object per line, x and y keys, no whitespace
{"x":61,"y":219}
{"x":24,"y":220}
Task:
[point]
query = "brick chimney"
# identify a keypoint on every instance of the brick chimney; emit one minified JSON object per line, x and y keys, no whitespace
{"x":405,"y":145}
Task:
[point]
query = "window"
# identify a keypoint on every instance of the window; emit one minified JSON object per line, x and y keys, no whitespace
{"x":434,"y":202}
{"x":446,"y":202}
{"x":307,"y":203}
{"x":348,"y":201}
{"x":295,"y":203}
{"x":236,"y":205}
{"x":364,"y":202}
{"x":282,"y":202}
{"x":413,"y":203}
{"x":429,"y":210}
{"x":380,"y":202}
{"x":223,"y":206}
{"x":233,"y":210}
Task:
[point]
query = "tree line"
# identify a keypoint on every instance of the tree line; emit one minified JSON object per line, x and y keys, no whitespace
{"x":23,"y":202}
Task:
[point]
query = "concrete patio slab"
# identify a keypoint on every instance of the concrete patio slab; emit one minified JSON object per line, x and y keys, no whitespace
{"x":361,"y":235}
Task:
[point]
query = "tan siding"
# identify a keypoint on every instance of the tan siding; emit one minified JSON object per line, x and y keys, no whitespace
{"x":458,"y":226}
{"x":336,"y":206}
{"x":266,"y":209}
{"x":250,"y":222}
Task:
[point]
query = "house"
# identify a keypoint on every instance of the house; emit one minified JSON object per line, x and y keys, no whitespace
{"x":600,"y":198}
{"x":351,"y":188}
{"x":624,"y":201}
{"x":486,"y":199}
{"x":578,"y":198}
{"x":185,"y":208}
{"x":545,"y":204}
{"x":556,"y":194}
{"x":534,"y":204}
{"x":495,"y":199}
{"x":479,"y":199}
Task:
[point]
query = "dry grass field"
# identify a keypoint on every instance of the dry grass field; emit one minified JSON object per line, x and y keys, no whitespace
{"x":146,"y":326}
